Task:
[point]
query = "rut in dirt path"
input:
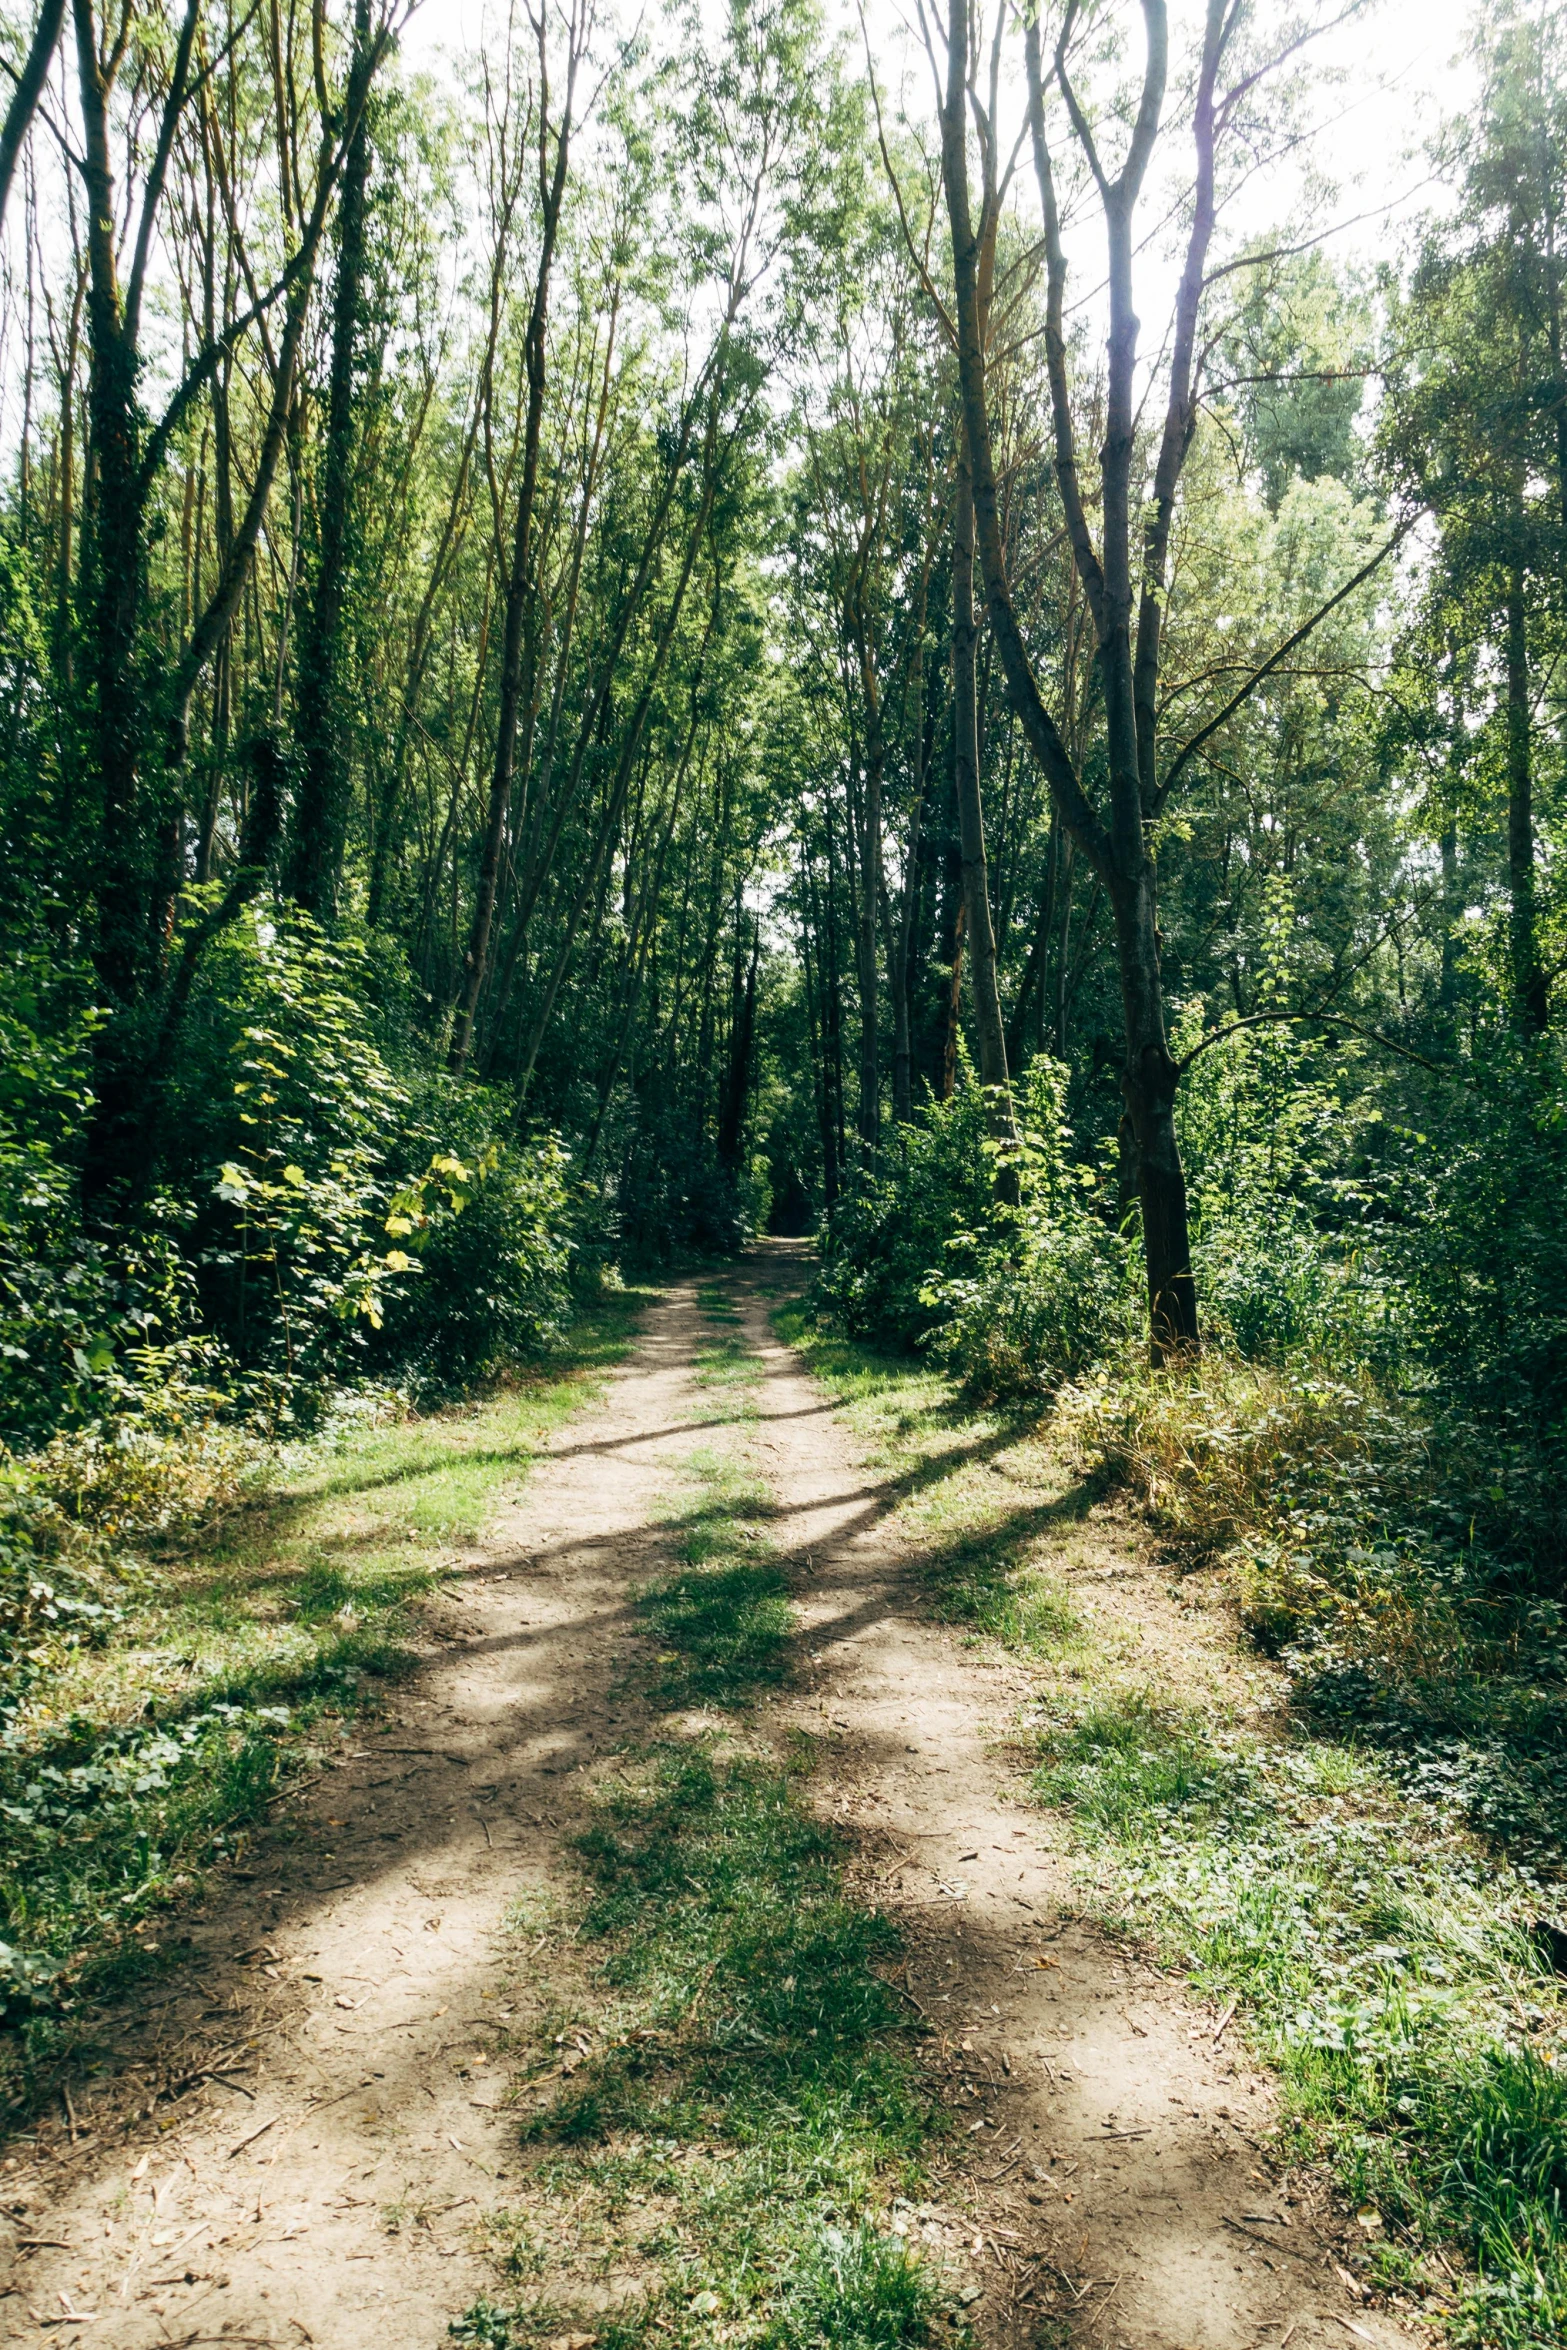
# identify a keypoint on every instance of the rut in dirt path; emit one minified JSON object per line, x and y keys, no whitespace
{"x":335,"y":2129}
{"x":1114,"y":2180}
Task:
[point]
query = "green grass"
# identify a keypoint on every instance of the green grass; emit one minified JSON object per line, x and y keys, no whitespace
{"x":1386,"y":1968}
{"x":751,"y":2098}
{"x":723,"y":1620}
{"x":1379,"y":1952}
{"x":753,"y":2076}
{"x":976,"y":1489}
{"x":130,"y":1769}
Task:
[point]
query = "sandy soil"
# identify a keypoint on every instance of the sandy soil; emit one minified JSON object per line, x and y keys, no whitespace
{"x":296,"y":2140}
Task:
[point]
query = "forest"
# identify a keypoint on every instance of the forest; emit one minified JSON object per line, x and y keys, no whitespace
{"x":638,"y":639}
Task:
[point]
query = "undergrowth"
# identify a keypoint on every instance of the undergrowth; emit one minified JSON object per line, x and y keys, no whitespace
{"x":141,"y":1743}
{"x":1388,"y":1966}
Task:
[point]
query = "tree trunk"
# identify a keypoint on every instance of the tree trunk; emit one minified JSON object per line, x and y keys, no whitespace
{"x":731,"y":1122}
{"x":518,"y":597}
{"x":949,"y":1058}
{"x":867,"y":962}
{"x":832,"y":998}
{"x":1116,"y":843}
{"x":321,"y":811}
{"x":114,"y":555}
{"x":29,"y":89}
{"x":815,"y":1020}
{"x":903,"y":942}
{"x":1031,"y":987}
{"x":1529,"y":989}
{"x":1148,"y":1083}
{"x":971,"y":835}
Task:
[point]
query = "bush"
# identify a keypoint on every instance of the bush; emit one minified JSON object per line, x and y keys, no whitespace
{"x":1014,"y":1298}
{"x":494,"y":1262}
{"x":887,"y":1239}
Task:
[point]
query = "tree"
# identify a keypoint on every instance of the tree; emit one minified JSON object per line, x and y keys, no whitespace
{"x":1127,"y":599}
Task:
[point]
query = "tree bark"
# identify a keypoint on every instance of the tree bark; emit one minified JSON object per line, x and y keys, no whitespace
{"x":514,"y":689}
{"x":320,"y":827}
{"x":903,"y":942}
{"x":949,"y":1057}
{"x":737,"y":1084}
{"x":971,"y":817}
{"x":1117,"y":845}
{"x":1530,"y":996}
{"x":867,"y":961}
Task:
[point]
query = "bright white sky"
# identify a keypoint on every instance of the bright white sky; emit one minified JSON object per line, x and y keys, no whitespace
{"x":1401,"y":65}
{"x":1397,"y":72}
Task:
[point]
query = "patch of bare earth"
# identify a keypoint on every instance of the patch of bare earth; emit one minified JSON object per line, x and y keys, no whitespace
{"x":300,"y":2137}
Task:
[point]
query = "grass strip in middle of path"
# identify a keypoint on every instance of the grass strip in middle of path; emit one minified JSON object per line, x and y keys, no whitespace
{"x":723,"y":2102}
{"x":722,"y":1621}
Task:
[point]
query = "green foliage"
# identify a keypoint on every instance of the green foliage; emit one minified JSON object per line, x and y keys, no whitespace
{"x":316,"y":1217}
{"x":495,"y":1234}
{"x":289,"y":1121}
{"x":923,"y":1252}
{"x":1299,"y":349}
{"x":63,"y":1312}
{"x":1289,"y":1269}
{"x":105,"y":1824}
{"x":1038,"y":1291}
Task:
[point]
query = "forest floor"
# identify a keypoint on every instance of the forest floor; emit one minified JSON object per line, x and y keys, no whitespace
{"x":517,"y":2018}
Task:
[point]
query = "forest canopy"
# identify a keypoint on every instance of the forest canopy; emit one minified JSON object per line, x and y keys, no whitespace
{"x":688,"y":628}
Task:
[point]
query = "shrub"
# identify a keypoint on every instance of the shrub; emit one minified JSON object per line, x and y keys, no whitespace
{"x":1013,"y":1297}
{"x":495,"y":1243}
{"x":887,"y":1239}
{"x":1042,"y":1294}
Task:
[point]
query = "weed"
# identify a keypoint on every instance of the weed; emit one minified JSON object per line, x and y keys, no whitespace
{"x":859,"y":2291}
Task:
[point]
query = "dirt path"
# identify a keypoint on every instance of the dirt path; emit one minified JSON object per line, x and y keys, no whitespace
{"x":295,"y":2146}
